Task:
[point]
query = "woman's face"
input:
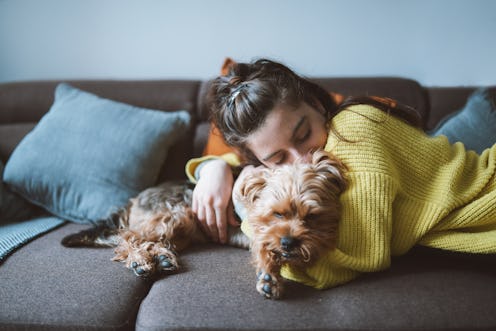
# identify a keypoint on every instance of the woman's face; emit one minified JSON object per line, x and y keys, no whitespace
{"x":288,"y":134}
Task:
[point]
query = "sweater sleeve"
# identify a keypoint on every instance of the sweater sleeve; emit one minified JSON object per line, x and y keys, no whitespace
{"x":191,"y":166}
{"x":364,"y":234}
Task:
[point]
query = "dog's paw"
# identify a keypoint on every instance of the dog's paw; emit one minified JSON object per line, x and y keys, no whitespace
{"x":166,"y":262}
{"x":141,"y":270}
{"x":269,"y":285}
{"x":141,"y":267}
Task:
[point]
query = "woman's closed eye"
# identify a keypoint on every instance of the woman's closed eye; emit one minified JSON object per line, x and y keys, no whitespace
{"x":304,"y":137}
{"x":281,"y":159}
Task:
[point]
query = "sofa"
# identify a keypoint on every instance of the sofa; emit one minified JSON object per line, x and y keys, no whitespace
{"x":45,"y":286}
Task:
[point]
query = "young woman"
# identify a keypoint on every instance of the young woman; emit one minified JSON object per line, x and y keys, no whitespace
{"x":405,"y":188}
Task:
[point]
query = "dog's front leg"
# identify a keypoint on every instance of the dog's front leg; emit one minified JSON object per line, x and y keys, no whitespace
{"x":269,"y":281}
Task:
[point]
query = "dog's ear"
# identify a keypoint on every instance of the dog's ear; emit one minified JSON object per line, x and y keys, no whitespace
{"x":250,"y":185}
{"x":331,"y":167}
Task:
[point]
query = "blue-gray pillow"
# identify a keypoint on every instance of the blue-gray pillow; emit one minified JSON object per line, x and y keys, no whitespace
{"x":88,"y":155}
{"x":475,"y":124}
{"x":13,"y":208}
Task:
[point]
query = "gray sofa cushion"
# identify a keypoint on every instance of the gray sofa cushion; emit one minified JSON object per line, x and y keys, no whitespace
{"x":45,"y":286}
{"x":428,"y":290}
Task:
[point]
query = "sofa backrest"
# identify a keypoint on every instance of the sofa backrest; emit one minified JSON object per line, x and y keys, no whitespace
{"x":445,"y":100}
{"x":22,"y":104}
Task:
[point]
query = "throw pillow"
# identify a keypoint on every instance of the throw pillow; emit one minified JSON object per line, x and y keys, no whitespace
{"x":88,"y":155}
{"x":475,"y":124}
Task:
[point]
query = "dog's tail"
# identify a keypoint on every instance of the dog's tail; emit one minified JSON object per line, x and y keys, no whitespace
{"x":104,"y":233}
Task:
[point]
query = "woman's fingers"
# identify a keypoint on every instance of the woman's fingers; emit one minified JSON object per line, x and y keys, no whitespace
{"x":199,"y":216}
{"x":220,"y":217}
{"x":214,"y":220}
{"x":211,"y":197}
{"x":212,"y":224}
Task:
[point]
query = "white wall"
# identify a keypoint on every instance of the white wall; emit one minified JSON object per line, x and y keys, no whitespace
{"x":437,"y":42}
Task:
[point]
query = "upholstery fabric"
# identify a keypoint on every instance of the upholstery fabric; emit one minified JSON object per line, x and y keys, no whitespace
{"x":444,"y":101}
{"x":46,"y":286}
{"x":11,"y":135}
{"x":13,"y":207}
{"x":414,"y":294}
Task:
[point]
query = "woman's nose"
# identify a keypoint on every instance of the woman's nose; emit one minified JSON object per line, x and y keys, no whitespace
{"x":302,"y":155}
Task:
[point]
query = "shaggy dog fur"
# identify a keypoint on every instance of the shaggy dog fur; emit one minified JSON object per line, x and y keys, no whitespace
{"x":292,"y":212}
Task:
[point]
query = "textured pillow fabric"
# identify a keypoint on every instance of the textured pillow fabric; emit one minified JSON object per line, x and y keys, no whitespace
{"x":475,"y":124}
{"x":88,"y":155}
{"x":13,"y":208}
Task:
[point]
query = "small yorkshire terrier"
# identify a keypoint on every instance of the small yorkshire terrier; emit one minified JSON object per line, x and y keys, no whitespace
{"x":292,"y":211}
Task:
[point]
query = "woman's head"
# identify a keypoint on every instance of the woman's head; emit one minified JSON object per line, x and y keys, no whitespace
{"x":269,"y":113}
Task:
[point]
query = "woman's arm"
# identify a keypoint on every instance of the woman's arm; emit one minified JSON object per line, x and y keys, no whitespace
{"x":212,"y":203}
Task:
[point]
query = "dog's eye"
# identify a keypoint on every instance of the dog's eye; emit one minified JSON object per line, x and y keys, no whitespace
{"x":277,"y":215}
{"x":311,"y":217}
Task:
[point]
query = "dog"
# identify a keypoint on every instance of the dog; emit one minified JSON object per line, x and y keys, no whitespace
{"x":292,"y":214}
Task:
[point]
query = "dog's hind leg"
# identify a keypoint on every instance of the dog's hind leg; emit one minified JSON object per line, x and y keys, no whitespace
{"x":104,"y":233}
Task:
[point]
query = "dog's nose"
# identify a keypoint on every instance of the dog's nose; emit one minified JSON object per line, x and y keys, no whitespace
{"x":287,"y":243}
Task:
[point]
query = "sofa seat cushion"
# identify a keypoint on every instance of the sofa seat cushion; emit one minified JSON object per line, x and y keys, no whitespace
{"x":45,"y":286}
{"x":425,"y":290}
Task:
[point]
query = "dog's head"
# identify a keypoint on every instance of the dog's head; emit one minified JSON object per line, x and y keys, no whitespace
{"x":294,"y":210}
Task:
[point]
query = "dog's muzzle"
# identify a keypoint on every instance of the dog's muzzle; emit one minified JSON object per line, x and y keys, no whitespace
{"x":288,"y":245}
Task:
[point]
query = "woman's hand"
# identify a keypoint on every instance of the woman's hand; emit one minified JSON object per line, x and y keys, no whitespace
{"x":212,"y":199}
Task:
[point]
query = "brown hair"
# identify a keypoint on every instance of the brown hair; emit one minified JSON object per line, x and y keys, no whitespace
{"x":241,"y":100}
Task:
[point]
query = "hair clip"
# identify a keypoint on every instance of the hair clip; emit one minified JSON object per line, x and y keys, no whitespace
{"x":236,"y":92}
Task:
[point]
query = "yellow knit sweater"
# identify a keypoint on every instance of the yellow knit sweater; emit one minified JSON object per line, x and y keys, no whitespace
{"x":405,"y":188}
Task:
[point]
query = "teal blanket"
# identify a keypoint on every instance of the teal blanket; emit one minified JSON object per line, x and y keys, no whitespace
{"x":15,"y":235}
